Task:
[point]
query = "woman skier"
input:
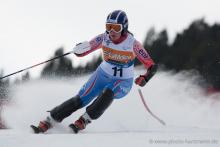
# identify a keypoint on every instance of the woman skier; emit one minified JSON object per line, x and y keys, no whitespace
{"x":113,"y":79}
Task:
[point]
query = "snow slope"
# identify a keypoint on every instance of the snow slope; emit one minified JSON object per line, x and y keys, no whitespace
{"x":192,"y":117}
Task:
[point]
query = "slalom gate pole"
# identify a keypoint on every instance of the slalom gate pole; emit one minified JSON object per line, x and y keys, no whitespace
{"x":148,"y":109}
{"x":35,"y":65}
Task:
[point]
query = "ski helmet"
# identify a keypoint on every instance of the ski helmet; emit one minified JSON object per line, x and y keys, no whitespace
{"x":118,"y":17}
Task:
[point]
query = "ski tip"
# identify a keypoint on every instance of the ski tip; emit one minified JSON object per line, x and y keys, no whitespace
{"x":74,"y":128}
{"x":35,"y":129}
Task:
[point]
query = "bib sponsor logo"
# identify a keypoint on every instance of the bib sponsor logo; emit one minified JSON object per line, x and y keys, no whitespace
{"x":118,"y":56}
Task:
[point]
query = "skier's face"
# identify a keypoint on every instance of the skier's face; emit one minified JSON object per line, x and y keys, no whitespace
{"x":114,"y":36}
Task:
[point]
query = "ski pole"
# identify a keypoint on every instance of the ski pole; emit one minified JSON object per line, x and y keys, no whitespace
{"x":148,"y":109}
{"x":35,"y":65}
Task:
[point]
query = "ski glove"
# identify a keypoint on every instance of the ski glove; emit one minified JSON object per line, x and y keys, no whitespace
{"x":143,"y":79}
{"x":81,"y":48}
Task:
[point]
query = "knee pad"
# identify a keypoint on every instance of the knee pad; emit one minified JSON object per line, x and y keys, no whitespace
{"x":102,"y":102}
{"x":66,"y":108}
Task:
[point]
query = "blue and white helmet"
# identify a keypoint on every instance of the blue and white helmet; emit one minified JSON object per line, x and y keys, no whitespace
{"x":118,"y":17}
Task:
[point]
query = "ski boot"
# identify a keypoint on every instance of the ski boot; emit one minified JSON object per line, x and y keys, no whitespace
{"x":80,"y":124}
{"x":42,"y":127}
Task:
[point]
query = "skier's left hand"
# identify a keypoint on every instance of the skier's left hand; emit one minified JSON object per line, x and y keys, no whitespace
{"x":143,"y":79}
{"x":140,"y":81}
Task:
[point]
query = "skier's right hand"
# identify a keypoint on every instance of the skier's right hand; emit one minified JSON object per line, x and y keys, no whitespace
{"x":81,"y":48}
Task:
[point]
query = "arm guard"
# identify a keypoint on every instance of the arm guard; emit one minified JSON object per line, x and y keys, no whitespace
{"x":150,"y":72}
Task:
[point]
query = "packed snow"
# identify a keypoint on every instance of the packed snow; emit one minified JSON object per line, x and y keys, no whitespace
{"x":192,"y":116}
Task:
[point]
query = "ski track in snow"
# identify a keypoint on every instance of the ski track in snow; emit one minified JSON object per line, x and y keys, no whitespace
{"x":192,"y":117}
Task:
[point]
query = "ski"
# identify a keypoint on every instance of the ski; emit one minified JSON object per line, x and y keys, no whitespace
{"x":74,"y":128}
{"x":35,"y":129}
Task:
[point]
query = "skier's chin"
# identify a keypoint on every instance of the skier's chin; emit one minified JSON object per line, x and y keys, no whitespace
{"x":114,"y":37}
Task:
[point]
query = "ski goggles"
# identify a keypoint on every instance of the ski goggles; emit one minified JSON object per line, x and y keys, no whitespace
{"x":115,"y":27}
